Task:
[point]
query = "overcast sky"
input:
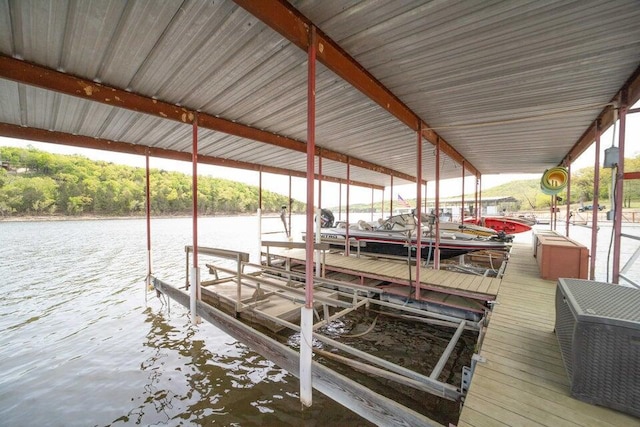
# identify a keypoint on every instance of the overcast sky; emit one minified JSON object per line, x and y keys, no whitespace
{"x":280,"y":184}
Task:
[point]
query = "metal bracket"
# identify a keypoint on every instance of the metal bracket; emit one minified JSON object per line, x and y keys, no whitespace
{"x":467,"y":372}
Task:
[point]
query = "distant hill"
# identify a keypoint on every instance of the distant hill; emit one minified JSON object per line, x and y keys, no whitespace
{"x":529,"y":196}
{"x":34,"y":182}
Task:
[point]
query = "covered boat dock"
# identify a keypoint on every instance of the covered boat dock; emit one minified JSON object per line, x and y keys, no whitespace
{"x":372,"y":94}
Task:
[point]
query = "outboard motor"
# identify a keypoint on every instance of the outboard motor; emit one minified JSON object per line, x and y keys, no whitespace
{"x":326,"y":218}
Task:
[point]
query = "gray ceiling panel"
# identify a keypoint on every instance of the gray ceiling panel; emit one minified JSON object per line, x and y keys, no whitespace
{"x":9,"y":102}
{"x":494,"y":78}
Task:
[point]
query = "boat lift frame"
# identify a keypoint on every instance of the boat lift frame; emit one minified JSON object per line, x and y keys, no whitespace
{"x":353,"y":296}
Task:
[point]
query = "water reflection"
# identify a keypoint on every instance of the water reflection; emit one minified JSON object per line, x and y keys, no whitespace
{"x":188,"y":383}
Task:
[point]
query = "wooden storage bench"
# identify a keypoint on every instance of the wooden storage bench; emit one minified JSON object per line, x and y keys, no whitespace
{"x":559,"y":256}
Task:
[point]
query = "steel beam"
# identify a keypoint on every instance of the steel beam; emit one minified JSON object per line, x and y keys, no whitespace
{"x":49,"y":79}
{"x":292,"y":25}
{"x":631,"y":175}
{"x":43,"y":135}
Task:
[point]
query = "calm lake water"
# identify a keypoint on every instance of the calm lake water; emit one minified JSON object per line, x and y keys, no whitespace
{"x":79,"y":346}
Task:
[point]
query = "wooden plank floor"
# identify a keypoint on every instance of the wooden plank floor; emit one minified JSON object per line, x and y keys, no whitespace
{"x":522,"y":381}
{"x":446,"y":281}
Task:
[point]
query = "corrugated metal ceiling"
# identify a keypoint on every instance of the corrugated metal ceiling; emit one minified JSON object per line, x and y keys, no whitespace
{"x":494,"y":78}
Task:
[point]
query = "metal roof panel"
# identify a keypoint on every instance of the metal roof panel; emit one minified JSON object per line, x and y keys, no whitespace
{"x":493,"y":78}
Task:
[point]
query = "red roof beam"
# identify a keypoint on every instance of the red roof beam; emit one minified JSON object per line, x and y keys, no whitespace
{"x":292,"y":25}
{"x":46,"y":78}
{"x":43,"y":135}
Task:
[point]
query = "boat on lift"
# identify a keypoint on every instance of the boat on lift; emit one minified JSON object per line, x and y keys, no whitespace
{"x":396,"y":236}
{"x":506,"y":224}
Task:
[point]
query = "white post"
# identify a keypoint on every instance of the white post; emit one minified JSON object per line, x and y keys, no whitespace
{"x":148,"y":286}
{"x":318,"y":240}
{"x":194,"y":291}
{"x":306,"y":353}
{"x":259,"y":235}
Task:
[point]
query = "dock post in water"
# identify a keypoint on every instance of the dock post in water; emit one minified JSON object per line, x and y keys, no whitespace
{"x":193,"y":293}
{"x":306,"y":318}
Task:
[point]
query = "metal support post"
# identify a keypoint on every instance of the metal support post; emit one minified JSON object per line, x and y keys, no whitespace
{"x":596,"y":206}
{"x":436,"y":253}
{"x":148,"y":209}
{"x":618,"y":190}
{"x":347,"y":246}
{"x":306,"y":312}
{"x":195,"y":272}
{"x":418,"y":208}
{"x":391,"y":198}
{"x":462,"y":202}
{"x":568,"y":201}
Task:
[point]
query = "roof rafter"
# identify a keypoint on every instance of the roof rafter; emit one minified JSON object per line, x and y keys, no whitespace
{"x":47,"y":78}
{"x":43,"y":135}
{"x":291,"y":24}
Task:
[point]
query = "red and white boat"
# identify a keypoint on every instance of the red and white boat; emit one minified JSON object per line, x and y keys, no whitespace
{"x":506,"y":224}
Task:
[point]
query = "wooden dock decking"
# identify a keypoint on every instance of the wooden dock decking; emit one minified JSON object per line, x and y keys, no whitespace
{"x":478,"y":287}
{"x":522,"y":380}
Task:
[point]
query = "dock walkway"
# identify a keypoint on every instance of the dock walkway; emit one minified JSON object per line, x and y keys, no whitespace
{"x":522,"y":380}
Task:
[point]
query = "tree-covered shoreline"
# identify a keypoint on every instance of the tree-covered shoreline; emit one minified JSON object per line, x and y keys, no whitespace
{"x":36,"y":183}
